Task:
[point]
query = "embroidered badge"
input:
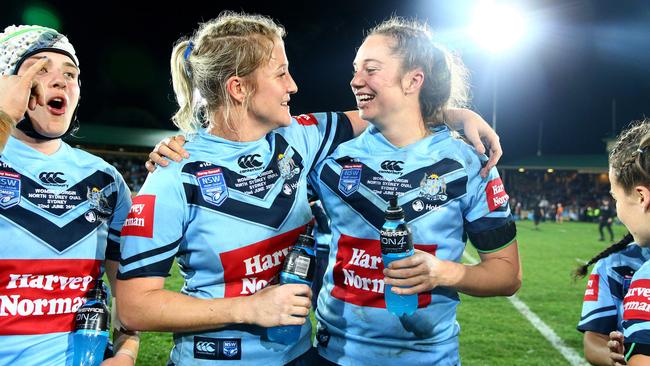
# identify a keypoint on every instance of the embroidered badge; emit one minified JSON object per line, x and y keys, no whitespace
{"x":350,"y":179}
{"x":433,"y":188}
{"x":213,"y":186}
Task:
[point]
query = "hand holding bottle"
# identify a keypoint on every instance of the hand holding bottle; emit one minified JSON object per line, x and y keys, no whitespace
{"x":418,"y":273}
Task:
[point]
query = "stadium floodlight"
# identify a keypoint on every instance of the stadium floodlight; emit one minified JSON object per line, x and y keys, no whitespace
{"x":497,"y":26}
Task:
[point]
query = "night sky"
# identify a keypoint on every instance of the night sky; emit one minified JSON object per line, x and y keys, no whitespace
{"x":578,"y":56}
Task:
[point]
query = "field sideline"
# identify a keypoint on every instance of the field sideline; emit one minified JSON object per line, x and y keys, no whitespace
{"x":493,"y":332}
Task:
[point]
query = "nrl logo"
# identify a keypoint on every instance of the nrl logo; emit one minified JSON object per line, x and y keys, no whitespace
{"x":433,"y":187}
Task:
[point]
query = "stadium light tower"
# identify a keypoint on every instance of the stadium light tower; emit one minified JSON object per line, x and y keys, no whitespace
{"x":497,"y":27}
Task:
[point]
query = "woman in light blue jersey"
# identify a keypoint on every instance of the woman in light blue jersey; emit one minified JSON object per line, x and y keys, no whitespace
{"x":629,"y":177}
{"x":602,"y":308}
{"x":61,"y":209}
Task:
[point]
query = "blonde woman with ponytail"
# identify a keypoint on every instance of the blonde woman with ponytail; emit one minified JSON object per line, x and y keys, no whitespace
{"x":229,"y":213}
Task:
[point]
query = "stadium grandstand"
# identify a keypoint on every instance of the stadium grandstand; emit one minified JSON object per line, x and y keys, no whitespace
{"x":578,"y":182}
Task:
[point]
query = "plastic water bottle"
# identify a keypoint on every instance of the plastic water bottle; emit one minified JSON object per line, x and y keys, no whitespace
{"x":299,"y":267}
{"x":396,"y":244}
{"x":92,"y":323}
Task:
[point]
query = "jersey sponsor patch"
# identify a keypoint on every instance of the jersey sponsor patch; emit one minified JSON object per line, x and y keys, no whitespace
{"x":251,"y":268}
{"x":139,"y":222}
{"x":591,"y":293}
{"x":213,"y":186}
{"x":496,"y":194}
{"x":41,"y":296}
{"x":636,"y":305}
{"x":9,"y":189}
{"x":358,"y":272}
{"x":306,"y":119}
{"x":350,"y":179}
{"x":217,"y":348}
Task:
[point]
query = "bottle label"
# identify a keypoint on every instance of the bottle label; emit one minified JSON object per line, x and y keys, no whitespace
{"x":300,"y":263}
{"x":92,"y":317}
{"x":395,"y":240}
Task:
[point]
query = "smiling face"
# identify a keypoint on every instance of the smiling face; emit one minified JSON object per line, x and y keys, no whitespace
{"x":377,"y":80}
{"x":269,"y":104}
{"x":60,"y":80}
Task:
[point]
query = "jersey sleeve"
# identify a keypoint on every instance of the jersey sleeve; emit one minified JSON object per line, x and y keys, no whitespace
{"x":599,"y":311}
{"x":154,"y":227}
{"x":488,"y":221}
{"x":318,"y":134}
{"x":122,"y":207}
{"x":636,"y":314}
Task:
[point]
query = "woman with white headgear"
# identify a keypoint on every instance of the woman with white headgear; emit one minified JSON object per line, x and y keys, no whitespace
{"x":61,"y":209}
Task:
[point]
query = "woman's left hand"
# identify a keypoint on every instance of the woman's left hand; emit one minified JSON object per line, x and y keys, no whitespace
{"x":418,"y":273}
{"x":478,"y":132}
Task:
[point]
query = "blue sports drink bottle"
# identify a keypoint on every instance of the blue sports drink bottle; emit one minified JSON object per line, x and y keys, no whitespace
{"x":92,"y":323}
{"x":299,"y":267}
{"x":396,"y":244}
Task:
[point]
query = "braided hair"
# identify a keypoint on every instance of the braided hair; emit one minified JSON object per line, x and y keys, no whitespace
{"x":581,"y":271}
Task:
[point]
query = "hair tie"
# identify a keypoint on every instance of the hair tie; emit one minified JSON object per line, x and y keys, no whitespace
{"x":186,"y":55}
{"x":188,"y":50}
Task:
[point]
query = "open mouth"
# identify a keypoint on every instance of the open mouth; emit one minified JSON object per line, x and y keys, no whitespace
{"x":56,"y":106}
{"x":363,"y":99}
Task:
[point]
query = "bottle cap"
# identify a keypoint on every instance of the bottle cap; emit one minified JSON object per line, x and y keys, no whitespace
{"x":98,"y":292}
{"x":306,"y":239}
{"x":394,"y":211}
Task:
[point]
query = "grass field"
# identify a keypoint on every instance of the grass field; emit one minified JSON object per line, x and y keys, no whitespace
{"x":493,"y":332}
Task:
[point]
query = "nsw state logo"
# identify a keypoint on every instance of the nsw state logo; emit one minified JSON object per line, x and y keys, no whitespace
{"x":350,"y":179}
{"x":9,"y":189}
{"x":213,"y":186}
{"x":433,"y":187}
{"x":287,"y":167}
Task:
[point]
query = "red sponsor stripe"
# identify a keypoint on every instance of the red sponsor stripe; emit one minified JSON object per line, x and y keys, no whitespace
{"x":10,"y":175}
{"x":306,"y":119}
{"x":41,"y":296}
{"x":496,"y":194}
{"x":358,"y":272}
{"x":591,"y":293}
{"x":636,"y":305}
{"x":251,"y":268}
{"x":139,"y":222}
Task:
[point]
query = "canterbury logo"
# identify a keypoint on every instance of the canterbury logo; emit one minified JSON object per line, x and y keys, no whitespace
{"x":205,"y":347}
{"x":249,"y":161}
{"x":392,"y":165}
{"x":51,"y":177}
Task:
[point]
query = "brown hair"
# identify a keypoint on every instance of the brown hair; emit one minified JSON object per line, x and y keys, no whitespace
{"x":630,"y":157}
{"x":233,"y":44}
{"x":445,"y":76}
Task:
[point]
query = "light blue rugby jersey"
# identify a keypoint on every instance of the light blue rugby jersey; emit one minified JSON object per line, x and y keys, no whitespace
{"x":636,"y":314}
{"x":229,"y":214}
{"x":602,"y":307}
{"x":60,"y":217}
{"x":439,"y":187}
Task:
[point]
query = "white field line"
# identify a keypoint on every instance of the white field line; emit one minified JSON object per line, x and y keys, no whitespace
{"x":567,"y":352}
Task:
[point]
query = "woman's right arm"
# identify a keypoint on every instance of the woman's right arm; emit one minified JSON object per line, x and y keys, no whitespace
{"x":145,"y":305}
